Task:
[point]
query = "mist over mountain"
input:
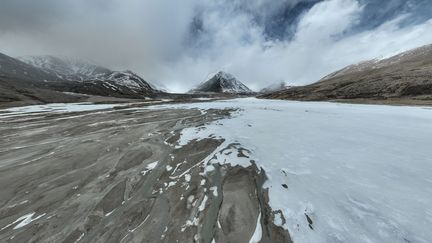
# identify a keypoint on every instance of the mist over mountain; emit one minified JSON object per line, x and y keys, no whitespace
{"x":46,"y":79}
{"x":405,"y":79}
{"x":179,"y":44}
{"x":85,"y":71}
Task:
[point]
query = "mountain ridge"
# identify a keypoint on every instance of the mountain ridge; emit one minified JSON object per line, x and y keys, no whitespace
{"x":80,"y":70}
{"x":49,"y":79}
{"x":406,"y":76}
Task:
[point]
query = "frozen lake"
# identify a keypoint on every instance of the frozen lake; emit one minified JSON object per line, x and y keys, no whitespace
{"x":338,"y":172}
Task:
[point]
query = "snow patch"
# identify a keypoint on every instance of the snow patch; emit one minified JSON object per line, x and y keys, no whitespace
{"x":214,"y":190}
{"x":23,"y":221}
{"x":54,"y":108}
{"x":257,"y":235}
{"x":201,"y":207}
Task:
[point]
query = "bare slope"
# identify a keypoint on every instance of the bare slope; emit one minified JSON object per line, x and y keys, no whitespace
{"x":21,"y":82}
{"x":404,"y":78}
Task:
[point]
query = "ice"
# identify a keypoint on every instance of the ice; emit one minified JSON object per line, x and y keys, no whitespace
{"x":214,"y":190}
{"x":109,"y":213}
{"x":152,"y":165}
{"x":359,"y":173}
{"x":256,"y":237}
{"x":202,"y":98}
{"x":79,"y":238}
{"x":55,"y":107}
{"x":132,"y":230}
{"x":149,"y":168}
{"x":203,"y":203}
{"x":23,"y":221}
{"x":17,"y":204}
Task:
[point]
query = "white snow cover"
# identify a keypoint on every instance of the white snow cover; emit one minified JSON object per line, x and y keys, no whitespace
{"x":82,"y":70}
{"x":230,"y":84}
{"x":257,"y":235}
{"x":64,"y":67}
{"x":125,"y":79}
{"x":55,"y":107}
{"x":23,"y":221}
{"x":362,"y":173}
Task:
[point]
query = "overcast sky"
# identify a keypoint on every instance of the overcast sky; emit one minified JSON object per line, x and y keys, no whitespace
{"x":180,"y":43}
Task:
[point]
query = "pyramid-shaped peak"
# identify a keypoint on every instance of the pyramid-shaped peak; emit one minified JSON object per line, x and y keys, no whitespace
{"x":223,"y":82}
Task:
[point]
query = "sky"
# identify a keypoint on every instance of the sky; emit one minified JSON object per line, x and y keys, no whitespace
{"x":179,"y":44}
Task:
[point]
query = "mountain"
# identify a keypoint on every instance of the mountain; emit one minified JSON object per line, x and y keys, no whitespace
{"x":11,"y":67}
{"x":222,"y":83}
{"x":66,"y":68}
{"x":50,"y":79}
{"x":91,"y":76}
{"x":406,"y":77}
{"x":24,"y":83}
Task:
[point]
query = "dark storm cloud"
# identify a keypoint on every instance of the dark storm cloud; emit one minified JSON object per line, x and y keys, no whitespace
{"x":24,"y":15}
{"x":179,"y":43}
{"x":36,"y":15}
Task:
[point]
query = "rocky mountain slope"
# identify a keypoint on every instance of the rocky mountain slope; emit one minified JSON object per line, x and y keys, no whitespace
{"x":92,"y":77}
{"x":66,"y":68}
{"x":49,"y":79}
{"x":222,"y":83}
{"x":404,"y":78}
{"x":21,"y":82}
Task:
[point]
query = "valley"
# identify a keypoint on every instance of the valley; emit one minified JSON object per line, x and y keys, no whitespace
{"x":250,"y":121}
{"x":215,"y":171}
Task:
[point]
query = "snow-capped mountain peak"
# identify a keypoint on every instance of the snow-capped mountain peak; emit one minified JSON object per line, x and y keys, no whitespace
{"x":223,"y":82}
{"x":225,"y":76}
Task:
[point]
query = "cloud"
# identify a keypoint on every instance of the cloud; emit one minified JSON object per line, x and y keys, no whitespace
{"x":319,"y":46}
{"x":180,"y":43}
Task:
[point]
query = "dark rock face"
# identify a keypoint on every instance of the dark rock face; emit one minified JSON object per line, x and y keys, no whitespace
{"x":405,"y":76}
{"x":222,"y":83}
